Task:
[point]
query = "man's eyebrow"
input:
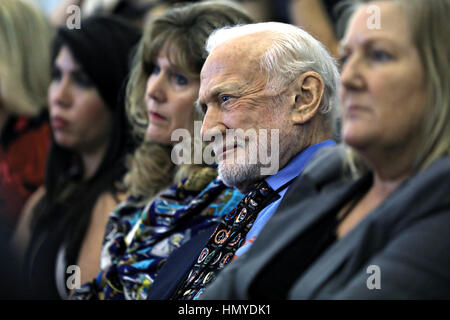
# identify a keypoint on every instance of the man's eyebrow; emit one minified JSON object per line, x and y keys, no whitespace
{"x":231,"y":87}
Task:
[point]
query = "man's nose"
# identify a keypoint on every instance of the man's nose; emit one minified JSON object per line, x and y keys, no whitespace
{"x":212,"y":124}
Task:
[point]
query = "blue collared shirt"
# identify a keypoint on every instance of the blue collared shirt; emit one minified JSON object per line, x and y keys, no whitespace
{"x":293,"y":169}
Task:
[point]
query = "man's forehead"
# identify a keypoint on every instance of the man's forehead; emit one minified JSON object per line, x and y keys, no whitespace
{"x":229,"y":76}
{"x":234,"y":57}
{"x":250,"y":45}
{"x":234,"y":65}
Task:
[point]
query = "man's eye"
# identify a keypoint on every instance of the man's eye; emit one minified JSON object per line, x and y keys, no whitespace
{"x":224,"y":98}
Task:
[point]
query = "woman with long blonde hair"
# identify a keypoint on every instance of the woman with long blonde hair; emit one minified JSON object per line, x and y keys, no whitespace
{"x":24,"y":79}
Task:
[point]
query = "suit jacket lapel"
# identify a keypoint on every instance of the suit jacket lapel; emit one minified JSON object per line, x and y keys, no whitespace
{"x":374,"y":231}
{"x":285,"y":226}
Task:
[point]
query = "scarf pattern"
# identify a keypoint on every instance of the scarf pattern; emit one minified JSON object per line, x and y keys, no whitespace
{"x":139,"y":238}
{"x":225,"y":240}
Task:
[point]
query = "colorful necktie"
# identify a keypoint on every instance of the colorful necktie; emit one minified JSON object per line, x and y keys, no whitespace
{"x":227,"y":238}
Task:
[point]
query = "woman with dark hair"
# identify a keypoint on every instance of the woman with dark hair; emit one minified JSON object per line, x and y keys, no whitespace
{"x":64,"y":221}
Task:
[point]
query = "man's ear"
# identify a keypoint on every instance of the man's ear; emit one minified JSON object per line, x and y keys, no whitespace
{"x":309,"y":89}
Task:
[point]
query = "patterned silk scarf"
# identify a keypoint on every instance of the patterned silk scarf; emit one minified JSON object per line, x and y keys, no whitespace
{"x":226,"y":239}
{"x":140,"y":238}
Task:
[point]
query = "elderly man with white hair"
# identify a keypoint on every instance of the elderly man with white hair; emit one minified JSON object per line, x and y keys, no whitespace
{"x":266,"y":77}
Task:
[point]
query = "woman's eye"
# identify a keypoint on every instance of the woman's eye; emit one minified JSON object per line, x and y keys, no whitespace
{"x":82,"y":79}
{"x":380,"y":55}
{"x":156,"y":69}
{"x":180,"y":79}
{"x":342,"y":60}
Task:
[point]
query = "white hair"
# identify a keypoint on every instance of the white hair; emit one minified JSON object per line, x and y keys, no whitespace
{"x":293,"y":52}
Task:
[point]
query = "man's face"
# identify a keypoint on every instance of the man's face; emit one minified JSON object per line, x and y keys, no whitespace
{"x":234,"y":97}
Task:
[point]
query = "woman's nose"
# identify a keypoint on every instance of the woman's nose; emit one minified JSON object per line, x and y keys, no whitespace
{"x":352,"y":74}
{"x":60,"y":93}
{"x":156,"y":88}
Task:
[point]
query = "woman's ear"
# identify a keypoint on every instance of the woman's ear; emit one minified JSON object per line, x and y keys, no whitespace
{"x":309,"y":89}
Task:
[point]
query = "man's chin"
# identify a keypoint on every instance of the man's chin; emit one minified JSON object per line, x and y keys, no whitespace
{"x":239,"y":176}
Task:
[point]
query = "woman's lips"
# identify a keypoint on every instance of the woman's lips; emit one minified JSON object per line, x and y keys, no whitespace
{"x":354,"y":109}
{"x":59,"y":123}
{"x":154,"y":116}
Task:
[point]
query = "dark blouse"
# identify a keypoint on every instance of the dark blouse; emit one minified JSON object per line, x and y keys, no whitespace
{"x":40,"y":274}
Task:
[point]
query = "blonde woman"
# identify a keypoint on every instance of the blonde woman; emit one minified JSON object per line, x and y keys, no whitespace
{"x":24,"y":79}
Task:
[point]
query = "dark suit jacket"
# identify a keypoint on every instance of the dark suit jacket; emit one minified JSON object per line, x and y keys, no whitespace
{"x":181,"y":260}
{"x":407,"y":237}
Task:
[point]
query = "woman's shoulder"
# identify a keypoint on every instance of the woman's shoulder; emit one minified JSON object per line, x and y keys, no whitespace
{"x":32,"y":201}
{"x":22,"y":233}
{"x":435,"y":177}
{"x":327,"y":167}
{"x":106,"y":203}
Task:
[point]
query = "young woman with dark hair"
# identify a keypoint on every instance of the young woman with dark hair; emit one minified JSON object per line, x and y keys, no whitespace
{"x":64,"y":221}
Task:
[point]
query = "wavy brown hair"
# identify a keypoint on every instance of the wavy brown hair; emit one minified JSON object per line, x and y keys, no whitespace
{"x":184,"y":30}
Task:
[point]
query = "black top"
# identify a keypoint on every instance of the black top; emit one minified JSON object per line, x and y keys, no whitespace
{"x":290,"y":263}
{"x":47,"y":239}
{"x":275,"y":281}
